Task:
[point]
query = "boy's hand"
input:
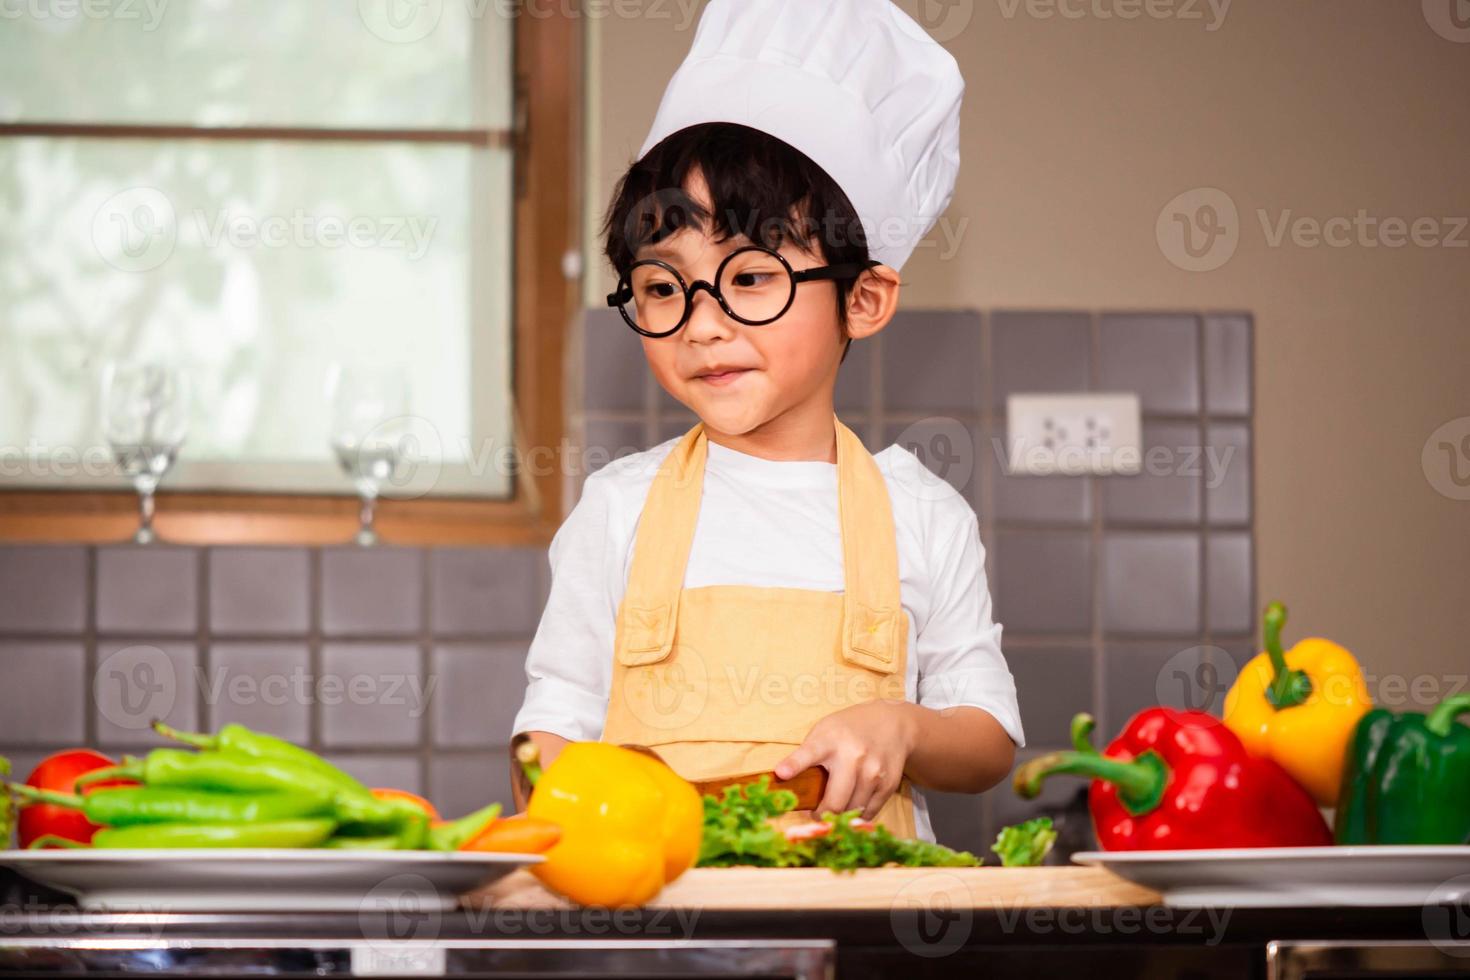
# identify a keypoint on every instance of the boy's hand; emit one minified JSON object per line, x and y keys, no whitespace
{"x":864,"y":749}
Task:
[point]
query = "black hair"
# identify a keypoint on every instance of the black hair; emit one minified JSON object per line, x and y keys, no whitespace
{"x":759,"y":186}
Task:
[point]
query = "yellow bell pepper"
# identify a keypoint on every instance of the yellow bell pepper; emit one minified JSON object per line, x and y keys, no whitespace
{"x":683,"y":816}
{"x":1299,"y":707}
{"x":629,"y":823}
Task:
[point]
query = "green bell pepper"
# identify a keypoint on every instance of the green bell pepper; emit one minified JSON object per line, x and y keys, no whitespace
{"x":1407,"y":778}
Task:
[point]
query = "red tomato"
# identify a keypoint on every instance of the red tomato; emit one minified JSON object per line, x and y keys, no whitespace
{"x":59,"y":772}
{"x":807,"y":831}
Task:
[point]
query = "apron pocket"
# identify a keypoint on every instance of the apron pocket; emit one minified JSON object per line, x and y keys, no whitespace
{"x":644,"y":635}
{"x":875,"y":638}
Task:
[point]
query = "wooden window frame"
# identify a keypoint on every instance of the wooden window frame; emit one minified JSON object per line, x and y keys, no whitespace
{"x":547,"y":157}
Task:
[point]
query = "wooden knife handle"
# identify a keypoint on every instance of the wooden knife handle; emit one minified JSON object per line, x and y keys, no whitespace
{"x":809,"y":785}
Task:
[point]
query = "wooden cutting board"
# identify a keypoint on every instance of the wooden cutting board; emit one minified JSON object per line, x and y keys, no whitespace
{"x":875,"y":888}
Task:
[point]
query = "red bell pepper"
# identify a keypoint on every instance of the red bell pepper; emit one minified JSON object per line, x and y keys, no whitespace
{"x":1181,"y":779}
{"x":59,"y":772}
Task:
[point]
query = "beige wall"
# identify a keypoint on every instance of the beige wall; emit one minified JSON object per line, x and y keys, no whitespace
{"x":1077,"y":131}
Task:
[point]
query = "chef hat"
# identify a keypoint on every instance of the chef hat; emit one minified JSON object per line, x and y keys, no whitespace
{"x":856,"y":85}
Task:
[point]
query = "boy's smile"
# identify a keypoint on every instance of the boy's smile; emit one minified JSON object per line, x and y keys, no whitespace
{"x":721,"y":375}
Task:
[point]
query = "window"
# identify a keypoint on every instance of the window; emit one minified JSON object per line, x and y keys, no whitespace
{"x":255,"y":191}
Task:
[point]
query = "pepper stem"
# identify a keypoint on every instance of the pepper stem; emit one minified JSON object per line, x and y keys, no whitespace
{"x":1442,"y":718}
{"x":30,"y":794}
{"x":1288,"y":688}
{"x":1140,"y":781}
{"x":197,"y":739}
{"x":1082,"y":726}
{"x":53,"y":840}
{"x":530,"y":759}
{"x":132,"y":769}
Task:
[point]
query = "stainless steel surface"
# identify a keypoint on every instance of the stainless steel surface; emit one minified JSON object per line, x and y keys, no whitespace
{"x":798,"y":959}
{"x":1419,"y":958}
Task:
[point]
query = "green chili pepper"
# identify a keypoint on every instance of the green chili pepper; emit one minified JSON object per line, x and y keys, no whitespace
{"x":1407,"y":778}
{"x":216,"y":771}
{"x":238,"y":740}
{"x":348,"y":843}
{"x":276,"y":833}
{"x":213,"y":770}
{"x":124,"y":806}
{"x":221,"y":771}
{"x":414,"y":832}
{"x":450,"y":835}
{"x":410,"y":831}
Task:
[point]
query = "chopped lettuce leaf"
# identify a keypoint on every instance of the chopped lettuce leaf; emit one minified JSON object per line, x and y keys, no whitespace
{"x":738,"y":831}
{"x":848,"y":847}
{"x":1026,"y":844}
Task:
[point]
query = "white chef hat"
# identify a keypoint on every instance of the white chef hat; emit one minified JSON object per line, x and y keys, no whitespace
{"x":856,"y":85}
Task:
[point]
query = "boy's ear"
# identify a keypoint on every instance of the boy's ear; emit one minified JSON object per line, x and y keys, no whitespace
{"x":872,"y":301}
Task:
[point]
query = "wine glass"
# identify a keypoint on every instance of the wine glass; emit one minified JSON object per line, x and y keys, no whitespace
{"x":369,"y":406}
{"x":145,"y":417}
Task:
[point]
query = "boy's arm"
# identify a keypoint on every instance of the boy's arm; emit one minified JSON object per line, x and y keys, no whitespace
{"x":548,"y":746}
{"x":966,"y":725}
{"x":962,"y":734}
{"x":867,"y":747}
{"x":958,"y":750}
{"x":569,"y":664}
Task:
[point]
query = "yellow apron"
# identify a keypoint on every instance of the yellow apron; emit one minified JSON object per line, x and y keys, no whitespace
{"x":726,"y":680}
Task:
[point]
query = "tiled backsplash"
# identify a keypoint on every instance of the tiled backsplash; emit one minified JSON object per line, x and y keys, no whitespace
{"x":405,"y":664}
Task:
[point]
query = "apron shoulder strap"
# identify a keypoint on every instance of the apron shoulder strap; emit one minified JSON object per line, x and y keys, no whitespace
{"x":874,"y":626}
{"x":650,"y":608}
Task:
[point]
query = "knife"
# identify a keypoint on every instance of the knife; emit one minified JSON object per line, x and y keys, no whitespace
{"x":809,"y":785}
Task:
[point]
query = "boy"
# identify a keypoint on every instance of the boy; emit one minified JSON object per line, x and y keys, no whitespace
{"x":763,"y":594}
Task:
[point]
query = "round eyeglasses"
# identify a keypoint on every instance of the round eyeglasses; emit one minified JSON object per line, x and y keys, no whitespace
{"x":753,"y":284}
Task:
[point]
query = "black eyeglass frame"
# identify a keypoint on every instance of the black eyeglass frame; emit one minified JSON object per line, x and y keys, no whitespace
{"x":624,"y":292}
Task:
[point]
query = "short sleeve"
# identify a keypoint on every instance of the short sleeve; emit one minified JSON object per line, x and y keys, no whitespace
{"x":569,"y":664}
{"x":958,"y":646}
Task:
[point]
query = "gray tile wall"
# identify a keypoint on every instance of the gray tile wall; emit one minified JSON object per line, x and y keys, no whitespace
{"x":405,"y":664}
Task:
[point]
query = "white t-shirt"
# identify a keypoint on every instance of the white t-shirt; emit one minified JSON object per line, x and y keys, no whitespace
{"x":769,"y":523}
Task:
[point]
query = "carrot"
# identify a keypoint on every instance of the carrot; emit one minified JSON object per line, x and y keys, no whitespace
{"x":519,"y":834}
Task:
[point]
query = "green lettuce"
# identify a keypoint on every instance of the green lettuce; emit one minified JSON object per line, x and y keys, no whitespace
{"x":738,"y":831}
{"x":1025,"y":844}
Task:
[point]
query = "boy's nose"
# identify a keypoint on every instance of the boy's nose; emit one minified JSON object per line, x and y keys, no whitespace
{"x":707,"y":320}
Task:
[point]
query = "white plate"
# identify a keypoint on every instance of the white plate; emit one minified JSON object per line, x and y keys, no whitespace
{"x":1296,"y":876}
{"x":263,"y":879}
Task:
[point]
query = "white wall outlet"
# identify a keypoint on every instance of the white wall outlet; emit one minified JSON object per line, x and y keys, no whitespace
{"x":1073,"y":435}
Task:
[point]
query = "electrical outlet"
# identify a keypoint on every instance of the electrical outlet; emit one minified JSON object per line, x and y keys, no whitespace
{"x":1073,"y":435}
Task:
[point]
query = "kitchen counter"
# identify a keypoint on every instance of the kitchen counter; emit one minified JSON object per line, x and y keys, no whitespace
{"x":1049,"y":924}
